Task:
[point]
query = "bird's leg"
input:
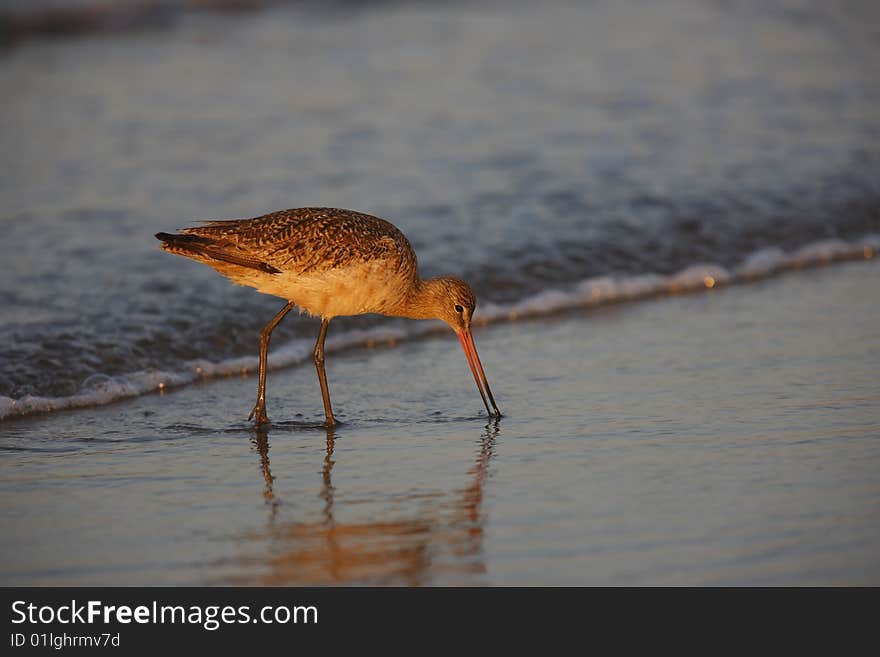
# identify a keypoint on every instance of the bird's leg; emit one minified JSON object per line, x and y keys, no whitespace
{"x":322,"y":376}
{"x":259,"y":410}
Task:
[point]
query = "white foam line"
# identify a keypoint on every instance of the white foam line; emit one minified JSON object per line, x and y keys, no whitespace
{"x":100,"y":389}
{"x":695,"y":278}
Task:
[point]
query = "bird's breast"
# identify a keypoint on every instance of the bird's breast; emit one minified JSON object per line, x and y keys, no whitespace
{"x":365,"y":287}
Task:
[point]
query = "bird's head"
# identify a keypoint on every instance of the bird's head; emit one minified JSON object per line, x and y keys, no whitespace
{"x":451,"y":300}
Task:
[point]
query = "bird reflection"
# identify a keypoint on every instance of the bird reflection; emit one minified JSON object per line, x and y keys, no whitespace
{"x":442,"y":541}
{"x":261,"y":442}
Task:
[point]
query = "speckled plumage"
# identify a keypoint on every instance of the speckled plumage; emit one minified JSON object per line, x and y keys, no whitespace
{"x":305,"y":240}
{"x":328,"y":261}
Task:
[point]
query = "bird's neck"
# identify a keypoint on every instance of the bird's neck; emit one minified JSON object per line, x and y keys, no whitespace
{"x":422,"y":300}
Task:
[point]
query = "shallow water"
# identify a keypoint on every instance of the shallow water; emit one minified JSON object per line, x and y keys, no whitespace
{"x":524,"y":147}
{"x":731,"y":437}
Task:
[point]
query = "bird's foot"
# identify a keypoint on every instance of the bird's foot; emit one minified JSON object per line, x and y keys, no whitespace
{"x":258,"y":414}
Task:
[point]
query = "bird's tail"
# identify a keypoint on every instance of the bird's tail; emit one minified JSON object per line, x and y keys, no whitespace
{"x":208,"y":250}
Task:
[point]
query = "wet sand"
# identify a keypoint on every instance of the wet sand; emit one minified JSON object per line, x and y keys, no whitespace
{"x":730,"y":437}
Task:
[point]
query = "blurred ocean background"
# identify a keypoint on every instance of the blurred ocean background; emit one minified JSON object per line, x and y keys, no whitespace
{"x":553,"y":155}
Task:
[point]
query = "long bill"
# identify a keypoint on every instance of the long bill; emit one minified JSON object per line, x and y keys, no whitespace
{"x":467,"y":343}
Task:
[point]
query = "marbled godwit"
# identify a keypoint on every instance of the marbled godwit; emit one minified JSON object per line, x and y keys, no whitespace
{"x":330,"y":263}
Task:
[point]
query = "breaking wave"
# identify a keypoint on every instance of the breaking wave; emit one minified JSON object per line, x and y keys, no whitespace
{"x":101,"y":389}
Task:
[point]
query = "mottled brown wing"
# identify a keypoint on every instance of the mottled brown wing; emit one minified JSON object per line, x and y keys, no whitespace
{"x":306,"y":240}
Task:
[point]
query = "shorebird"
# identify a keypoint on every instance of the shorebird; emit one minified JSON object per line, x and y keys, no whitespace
{"x":330,"y":263}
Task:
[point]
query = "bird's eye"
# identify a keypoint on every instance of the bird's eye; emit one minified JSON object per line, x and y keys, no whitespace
{"x":459,"y":309}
